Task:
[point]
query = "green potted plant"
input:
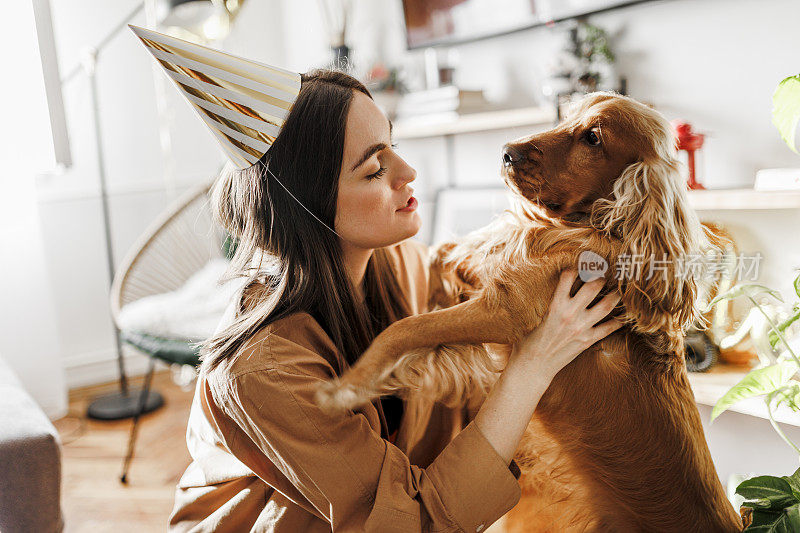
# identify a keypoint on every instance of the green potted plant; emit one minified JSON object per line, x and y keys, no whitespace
{"x":772,"y":503}
{"x":786,"y":109}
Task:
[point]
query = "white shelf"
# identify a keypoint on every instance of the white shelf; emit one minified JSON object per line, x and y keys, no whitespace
{"x":727,"y":199}
{"x":709,"y":387}
{"x":702,"y":200}
{"x":432,"y":126}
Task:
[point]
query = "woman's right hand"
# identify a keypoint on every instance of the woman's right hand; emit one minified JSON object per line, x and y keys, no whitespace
{"x":568,"y":327}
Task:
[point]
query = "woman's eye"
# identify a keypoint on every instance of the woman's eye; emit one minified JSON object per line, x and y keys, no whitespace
{"x":375,"y":175}
{"x":592,"y":138}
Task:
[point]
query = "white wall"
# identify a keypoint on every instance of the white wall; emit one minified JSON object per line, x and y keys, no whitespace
{"x":743,"y":444}
{"x":28,"y":334}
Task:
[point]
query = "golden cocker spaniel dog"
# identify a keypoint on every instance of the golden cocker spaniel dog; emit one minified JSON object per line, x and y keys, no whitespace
{"x":616,"y":443}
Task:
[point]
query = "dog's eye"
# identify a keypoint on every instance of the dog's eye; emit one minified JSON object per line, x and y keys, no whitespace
{"x":592,"y":138}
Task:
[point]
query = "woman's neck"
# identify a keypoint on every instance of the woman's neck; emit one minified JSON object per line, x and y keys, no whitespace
{"x":355,"y":261}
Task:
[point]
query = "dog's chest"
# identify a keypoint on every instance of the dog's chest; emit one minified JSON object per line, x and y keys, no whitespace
{"x":556,"y":496}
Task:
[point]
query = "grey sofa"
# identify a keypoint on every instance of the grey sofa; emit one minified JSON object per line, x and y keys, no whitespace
{"x":30,"y":462}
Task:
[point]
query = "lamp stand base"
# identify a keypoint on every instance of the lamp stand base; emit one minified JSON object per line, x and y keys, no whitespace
{"x":117,"y":406}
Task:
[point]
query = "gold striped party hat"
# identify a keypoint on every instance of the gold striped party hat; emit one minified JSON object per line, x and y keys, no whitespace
{"x":243,"y":102}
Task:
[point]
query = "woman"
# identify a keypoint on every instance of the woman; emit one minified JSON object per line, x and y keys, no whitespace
{"x":266,"y":458}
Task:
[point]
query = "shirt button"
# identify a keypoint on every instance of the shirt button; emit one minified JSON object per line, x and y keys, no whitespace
{"x":477,"y":529}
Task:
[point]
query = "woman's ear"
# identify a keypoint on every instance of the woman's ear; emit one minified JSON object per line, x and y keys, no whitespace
{"x":660,"y":235}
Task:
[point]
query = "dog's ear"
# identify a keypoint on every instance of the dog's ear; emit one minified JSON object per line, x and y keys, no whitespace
{"x":660,"y":235}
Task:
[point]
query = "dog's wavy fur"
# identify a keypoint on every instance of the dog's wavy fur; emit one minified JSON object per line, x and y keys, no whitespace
{"x":616,"y":443}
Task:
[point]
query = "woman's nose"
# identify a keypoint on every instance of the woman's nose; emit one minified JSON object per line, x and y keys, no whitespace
{"x":406,"y":172}
{"x":411,"y":174}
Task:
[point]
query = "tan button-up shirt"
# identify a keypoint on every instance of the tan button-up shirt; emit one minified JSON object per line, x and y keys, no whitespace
{"x":266,"y":458}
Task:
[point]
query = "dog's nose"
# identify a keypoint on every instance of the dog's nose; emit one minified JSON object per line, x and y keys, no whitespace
{"x":511,"y":155}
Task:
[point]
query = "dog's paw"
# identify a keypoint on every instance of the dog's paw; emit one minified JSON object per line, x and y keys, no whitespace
{"x":336,"y":397}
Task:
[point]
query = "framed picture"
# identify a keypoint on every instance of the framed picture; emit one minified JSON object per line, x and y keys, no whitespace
{"x":460,"y":211}
{"x":449,"y":22}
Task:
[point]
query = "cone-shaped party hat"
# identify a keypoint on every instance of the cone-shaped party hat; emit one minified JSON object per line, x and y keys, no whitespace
{"x":243,"y":102}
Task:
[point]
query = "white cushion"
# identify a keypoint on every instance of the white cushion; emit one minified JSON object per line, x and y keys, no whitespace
{"x":191,"y":312}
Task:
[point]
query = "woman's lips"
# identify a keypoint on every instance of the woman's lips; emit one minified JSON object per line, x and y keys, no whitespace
{"x":410,"y":206}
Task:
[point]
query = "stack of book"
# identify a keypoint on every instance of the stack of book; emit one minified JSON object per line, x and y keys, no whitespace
{"x":442,"y":103}
{"x":777,"y":179}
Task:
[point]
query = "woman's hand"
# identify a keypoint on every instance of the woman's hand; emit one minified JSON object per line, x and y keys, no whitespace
{"x":569,"y":327}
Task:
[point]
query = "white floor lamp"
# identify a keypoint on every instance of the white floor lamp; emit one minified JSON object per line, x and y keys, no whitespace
{"x":124,"y":403}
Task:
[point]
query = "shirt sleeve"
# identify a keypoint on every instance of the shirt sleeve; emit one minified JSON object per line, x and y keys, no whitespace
{"x":355,"y":479}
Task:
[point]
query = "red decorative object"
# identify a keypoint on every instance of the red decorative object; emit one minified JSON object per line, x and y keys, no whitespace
{"x":690,"y":142}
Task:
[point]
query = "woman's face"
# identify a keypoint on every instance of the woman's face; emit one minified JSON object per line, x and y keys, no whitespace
{"x":375,"y":206}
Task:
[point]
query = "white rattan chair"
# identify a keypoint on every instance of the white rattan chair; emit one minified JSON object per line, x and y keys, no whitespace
{"x":174,"y":247}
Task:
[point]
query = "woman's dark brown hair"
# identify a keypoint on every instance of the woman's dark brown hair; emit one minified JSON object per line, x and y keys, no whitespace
{"x":293,"y":262}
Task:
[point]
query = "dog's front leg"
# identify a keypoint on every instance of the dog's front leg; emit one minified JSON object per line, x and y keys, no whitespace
{"x":472,"y":322}
{"x":503,"y":312}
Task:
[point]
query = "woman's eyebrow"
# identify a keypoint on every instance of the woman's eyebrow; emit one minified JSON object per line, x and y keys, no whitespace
{"x":368,"y":153}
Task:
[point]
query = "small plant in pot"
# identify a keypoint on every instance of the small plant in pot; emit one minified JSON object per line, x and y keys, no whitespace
{"x":770,"y":501}
{"x":773,"y":503}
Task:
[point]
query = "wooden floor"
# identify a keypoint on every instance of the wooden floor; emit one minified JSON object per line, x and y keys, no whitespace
{"x":93,"y":498}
